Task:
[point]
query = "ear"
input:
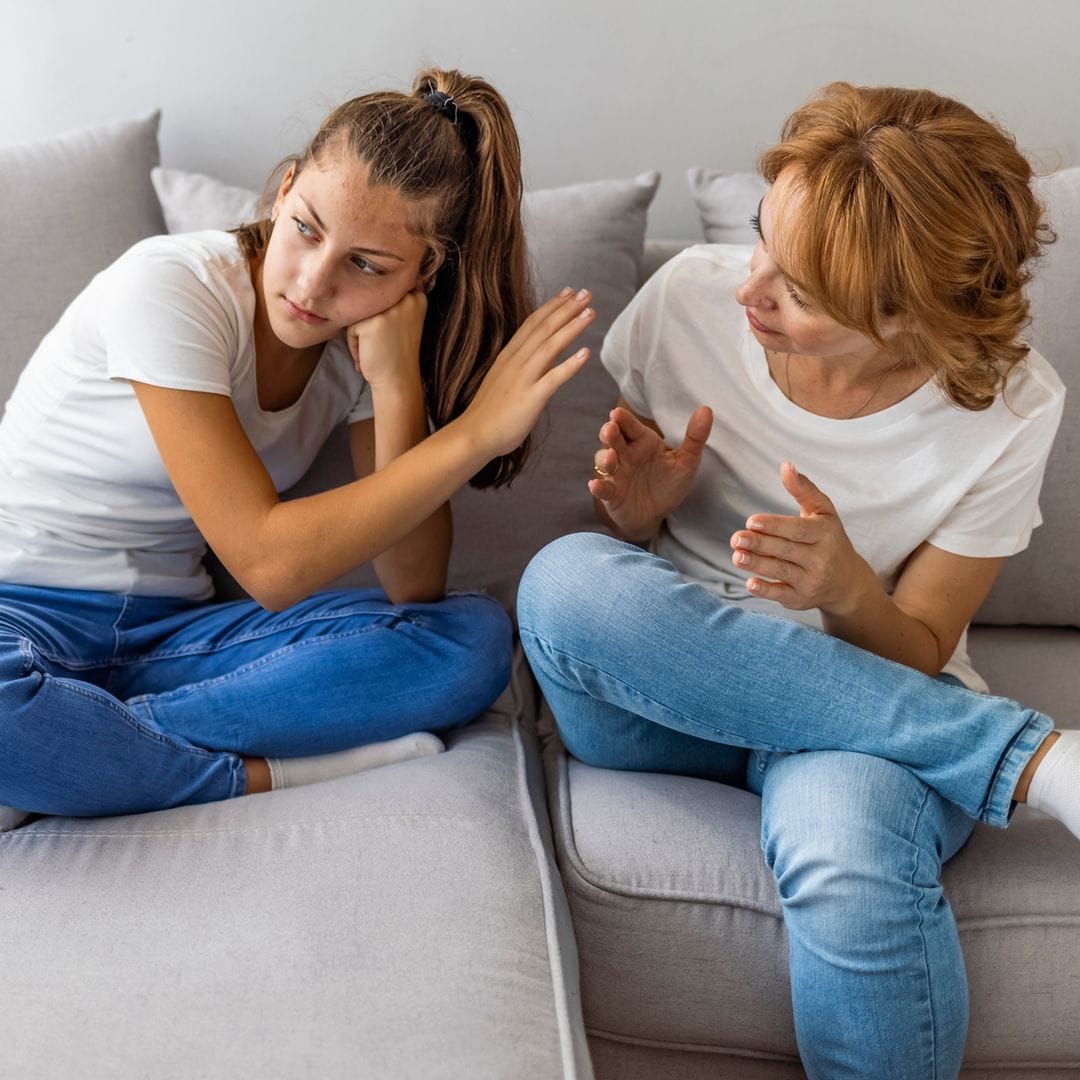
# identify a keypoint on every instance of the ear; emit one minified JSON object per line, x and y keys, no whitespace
{"x":283,"y":190}
{"x":425,"y":281}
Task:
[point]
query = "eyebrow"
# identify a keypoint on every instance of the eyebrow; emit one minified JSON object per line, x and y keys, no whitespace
{"x":358,"y":250}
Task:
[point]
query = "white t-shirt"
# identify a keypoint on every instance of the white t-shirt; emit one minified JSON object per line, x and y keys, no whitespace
{"x":921,"y":470}
{"x":85,"y":501}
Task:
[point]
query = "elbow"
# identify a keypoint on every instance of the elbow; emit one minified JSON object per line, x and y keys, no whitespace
{"x":273,"y":588}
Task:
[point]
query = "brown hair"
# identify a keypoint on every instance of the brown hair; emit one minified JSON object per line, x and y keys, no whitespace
{"x":459,"y":171}
{"x":914,"y":205}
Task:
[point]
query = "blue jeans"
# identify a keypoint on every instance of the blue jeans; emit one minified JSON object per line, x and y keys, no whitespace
{"x":114,"y":704}
{"x":870,"y":775}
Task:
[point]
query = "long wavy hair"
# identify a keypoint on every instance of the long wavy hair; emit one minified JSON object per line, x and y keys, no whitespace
{"x":458,"y":169}
{"x":912,"y":204}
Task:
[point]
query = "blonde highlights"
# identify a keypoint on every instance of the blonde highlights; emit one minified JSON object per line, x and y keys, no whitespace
{"x":912,"y":205}
{"x":459,"y":173}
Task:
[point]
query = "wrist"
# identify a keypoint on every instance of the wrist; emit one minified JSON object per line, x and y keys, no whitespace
{"x":861,"y":599}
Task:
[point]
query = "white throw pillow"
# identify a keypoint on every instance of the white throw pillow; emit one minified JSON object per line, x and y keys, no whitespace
{"x":725,"y":202}
{"x":192,"y":202}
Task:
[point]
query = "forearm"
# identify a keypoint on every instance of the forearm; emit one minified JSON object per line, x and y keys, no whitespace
{"x":413,"y":569}
{"x":302,"y":545}
{"x":878,"y":625}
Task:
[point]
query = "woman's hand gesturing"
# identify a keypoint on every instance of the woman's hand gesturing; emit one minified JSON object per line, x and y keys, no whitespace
{"x":639,"y":479}
{"x":806,"y":561}
{"x":526,"y":373}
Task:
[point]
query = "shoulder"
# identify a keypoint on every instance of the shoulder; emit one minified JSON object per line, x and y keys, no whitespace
{"x":697,"y":283}
{"x":203,"y":256}
{"x":1033,"y":392}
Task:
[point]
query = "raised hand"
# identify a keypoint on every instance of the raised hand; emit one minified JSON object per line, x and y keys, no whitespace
{"x":806,"y":561}
{"x":639,"y":479}
{"x":526,"y":373}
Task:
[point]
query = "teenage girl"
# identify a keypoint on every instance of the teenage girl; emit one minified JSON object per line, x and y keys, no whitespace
{"x":195,"y":379}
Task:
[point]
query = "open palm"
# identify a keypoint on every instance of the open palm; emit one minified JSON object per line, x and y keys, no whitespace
{"x":640,"y":479}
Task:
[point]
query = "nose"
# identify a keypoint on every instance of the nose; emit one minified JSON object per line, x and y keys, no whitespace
{"x":756,"y":291}
{"x":315,"y":277}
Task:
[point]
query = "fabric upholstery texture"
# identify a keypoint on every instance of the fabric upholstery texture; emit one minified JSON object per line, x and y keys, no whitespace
{"x":92,"y":189}
{"x":406,"y":922}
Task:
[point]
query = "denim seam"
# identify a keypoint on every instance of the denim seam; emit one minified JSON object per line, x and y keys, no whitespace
{"x":272,"y":657}
{"x":134,"y":722}
{"x":710,"y":734}
{"x":999,"y":805}
{"x":921,"y":928}
{"x":217,"y":647}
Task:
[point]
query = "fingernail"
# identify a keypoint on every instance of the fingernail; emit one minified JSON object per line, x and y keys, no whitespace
{"x":752,"y":585}
{"x":579,"y":353}
{"x":582,"y":294}
{"x":587,"y":313}
{"x":567,"y":291}
{"x":741,"y":558}
{"x":742,"y":541}
{"x":753,"y":523}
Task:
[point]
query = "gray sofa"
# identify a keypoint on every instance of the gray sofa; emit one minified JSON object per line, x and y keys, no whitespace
{"x":499,"y":910}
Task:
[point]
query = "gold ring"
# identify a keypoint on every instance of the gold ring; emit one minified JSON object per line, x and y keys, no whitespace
{"x":604,"y":474}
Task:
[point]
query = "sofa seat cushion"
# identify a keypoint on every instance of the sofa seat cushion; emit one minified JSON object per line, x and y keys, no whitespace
{"x":403,"y":922}
{"x":683,"y":951}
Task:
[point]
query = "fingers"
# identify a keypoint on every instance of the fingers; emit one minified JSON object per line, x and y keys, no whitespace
{"x":553,"y":320}
{"x":697,"y":431}
{"x":562,"y":373}
{"x":606,"y":462}
{"x":611,"y":435}
{"x":783,"y":594}
{"x":801,"y":530}
{"x":629,"y":425}
{"x":601,"y":489}
{"x":811,"y":499}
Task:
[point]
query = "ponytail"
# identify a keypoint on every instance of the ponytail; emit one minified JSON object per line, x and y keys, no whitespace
{"x":451,"y":151}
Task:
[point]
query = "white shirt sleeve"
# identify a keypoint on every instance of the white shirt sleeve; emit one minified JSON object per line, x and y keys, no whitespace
{"x":630,"y":344}
{"x":996,"y":515}
{"x":161,"y":325}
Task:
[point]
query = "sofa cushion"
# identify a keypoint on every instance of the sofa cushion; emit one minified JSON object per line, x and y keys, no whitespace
{"x":582,"y":235}
{"x":683,"y":951}
{"x":1029,"y":589}
{"x":76,"y":202}
{"x":405,"y":922}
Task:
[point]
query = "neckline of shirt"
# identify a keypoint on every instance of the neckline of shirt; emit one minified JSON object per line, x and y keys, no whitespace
{"x":757,"y":366}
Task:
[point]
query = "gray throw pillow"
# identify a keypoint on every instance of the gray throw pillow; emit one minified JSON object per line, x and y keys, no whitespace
{"x":77,"y":201}
{"x":1038,"y":586}
{"x":588,"y":235}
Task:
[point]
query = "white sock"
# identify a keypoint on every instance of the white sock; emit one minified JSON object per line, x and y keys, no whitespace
{"x":1055,"y":787}
{"x":292,"y":772}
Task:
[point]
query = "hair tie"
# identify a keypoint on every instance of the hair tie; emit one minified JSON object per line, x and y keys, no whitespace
{"x":442,"y":103}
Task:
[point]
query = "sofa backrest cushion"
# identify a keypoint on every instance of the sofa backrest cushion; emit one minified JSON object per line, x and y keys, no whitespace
{"x":1040,"y":586}
{"x":588,"y":235}
{"x":69,"y":206}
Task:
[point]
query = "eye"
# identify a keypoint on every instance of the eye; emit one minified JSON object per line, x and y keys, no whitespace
{"x":364,"y":266}
{"x":755,"y":223}
{"x":796,"y":299}
{"x":303,"y":228}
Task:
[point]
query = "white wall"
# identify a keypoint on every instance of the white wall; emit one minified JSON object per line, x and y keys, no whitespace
{"x":598,"y":88}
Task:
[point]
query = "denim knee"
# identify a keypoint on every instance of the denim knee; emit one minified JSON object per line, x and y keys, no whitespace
{"x":568,"y":586}
{"x":484,"y":637}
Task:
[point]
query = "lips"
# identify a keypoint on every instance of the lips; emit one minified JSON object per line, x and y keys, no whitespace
{"x":302,"y":314}
{"x":756,"y":325}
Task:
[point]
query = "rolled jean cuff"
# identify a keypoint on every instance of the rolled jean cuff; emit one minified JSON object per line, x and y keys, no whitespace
{"x":1000,"y":806}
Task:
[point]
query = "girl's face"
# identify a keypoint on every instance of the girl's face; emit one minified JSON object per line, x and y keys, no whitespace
{"x":340,"y":252}
{"x":781,"y":318}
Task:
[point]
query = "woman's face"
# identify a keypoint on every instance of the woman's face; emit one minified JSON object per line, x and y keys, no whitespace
{"x":340,"y":252}
{"x":780,"y":316}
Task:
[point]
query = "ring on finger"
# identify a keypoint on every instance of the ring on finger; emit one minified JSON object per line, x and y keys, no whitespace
{"x":605,"y":474}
